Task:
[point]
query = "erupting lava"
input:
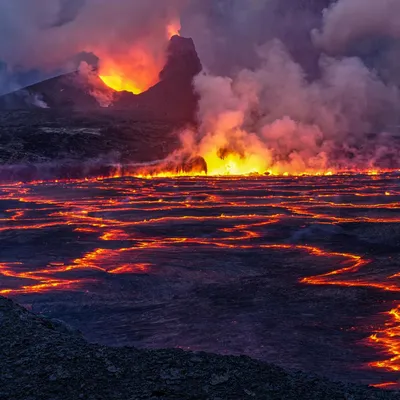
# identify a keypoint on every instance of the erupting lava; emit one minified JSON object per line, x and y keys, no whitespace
{"x":137,"y":70}
{"x":173,"y":29}
{"x":216,"y":164}
{"x":134,"y":72}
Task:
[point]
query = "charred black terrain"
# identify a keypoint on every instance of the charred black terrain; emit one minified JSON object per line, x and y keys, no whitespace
{"x":46,"y":359}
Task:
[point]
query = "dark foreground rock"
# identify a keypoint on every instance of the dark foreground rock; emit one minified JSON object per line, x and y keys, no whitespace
{"x":42,"y":359}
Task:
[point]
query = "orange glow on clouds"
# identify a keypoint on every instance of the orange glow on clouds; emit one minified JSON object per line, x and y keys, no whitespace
{"x":173,"y":29}
{"x":137,"y":70}
{"x":134,"y":72}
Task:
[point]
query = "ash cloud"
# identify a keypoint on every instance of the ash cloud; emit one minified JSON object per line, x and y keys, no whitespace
{"x":347,"y":22}
{"x":226,"y":32}
{"x":69,"y":10}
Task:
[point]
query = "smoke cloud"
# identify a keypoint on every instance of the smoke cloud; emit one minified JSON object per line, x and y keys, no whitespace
{"x":273,"y":119}
{"x":69,"y":10}
{"x":349,"y":21}
{"x":266,"y":106}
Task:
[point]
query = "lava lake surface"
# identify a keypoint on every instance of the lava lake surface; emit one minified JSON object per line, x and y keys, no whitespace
{"x":296,"y":271}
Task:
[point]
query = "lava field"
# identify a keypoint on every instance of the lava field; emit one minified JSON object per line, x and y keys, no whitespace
{"x":302,"y":272}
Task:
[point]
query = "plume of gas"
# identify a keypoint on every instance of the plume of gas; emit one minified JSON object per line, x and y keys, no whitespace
{"x":347,"y":21}
{"x":272,"y":119}
{"x":88,"y":76}
{"x":38,"y":101}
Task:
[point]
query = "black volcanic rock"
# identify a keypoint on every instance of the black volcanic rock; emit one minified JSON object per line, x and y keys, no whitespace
{"x":69,"y":91}
{"x":173,"y":97}
{"x":44,"y":359}
{"x":38,"y":143}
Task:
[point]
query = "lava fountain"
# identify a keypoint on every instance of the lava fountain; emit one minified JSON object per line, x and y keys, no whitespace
{"x":137,"y":70}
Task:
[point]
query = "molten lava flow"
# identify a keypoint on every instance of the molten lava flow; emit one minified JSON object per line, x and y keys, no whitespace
{"x":213,"y":158}
{"x":234,"y":164}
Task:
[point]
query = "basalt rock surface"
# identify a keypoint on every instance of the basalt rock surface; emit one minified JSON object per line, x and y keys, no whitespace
{"x":42,"y":359}
{"x":48,"y":143}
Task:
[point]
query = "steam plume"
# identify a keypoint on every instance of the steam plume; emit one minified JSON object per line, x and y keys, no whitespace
{"x":348,"y":21}
{"x":273,"y":119}
{"x":69,"y":10}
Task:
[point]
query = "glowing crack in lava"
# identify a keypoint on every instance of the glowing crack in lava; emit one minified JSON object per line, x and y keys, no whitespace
{"x":115,"y":230}
{"x":137,"y":70}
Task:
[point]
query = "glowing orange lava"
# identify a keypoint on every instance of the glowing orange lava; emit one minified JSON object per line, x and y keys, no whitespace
{"x":173,"y":29}
{"x":134,"y":72}
{"x":138,"y":69}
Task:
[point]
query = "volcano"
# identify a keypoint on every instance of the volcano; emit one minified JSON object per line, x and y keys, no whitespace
{"x":63,"y":121}
{"x":172,"y":97}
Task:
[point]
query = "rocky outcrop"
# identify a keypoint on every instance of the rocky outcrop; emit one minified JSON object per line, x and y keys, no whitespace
{"x":42,"y":359}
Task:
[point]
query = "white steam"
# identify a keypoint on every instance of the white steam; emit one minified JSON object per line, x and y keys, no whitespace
{"x":89,"y":78}
{"x":38,"y":101}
